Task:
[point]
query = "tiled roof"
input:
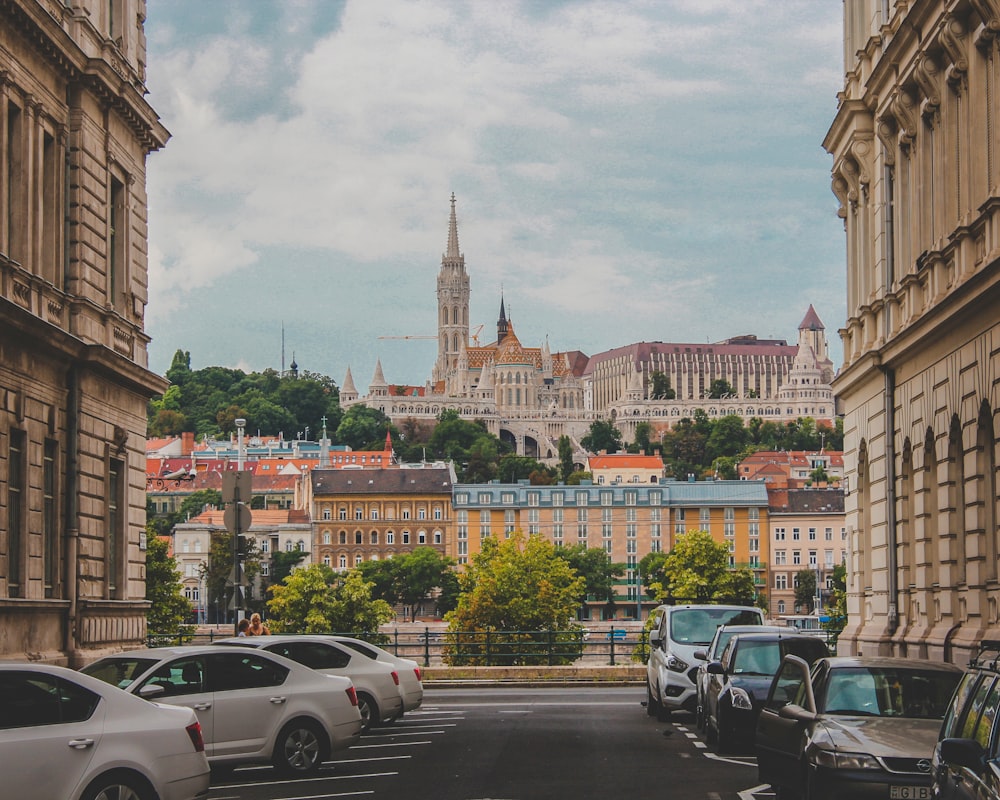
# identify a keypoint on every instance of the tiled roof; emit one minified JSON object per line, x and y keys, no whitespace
{"x":806,"y":501}
{"x":261,"y":517}
{"x":625,"y":461}
{"x":427,"y":480}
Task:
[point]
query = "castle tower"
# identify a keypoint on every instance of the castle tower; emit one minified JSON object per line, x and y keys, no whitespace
{"x":812,"y":335}
{"x":453,"y":303}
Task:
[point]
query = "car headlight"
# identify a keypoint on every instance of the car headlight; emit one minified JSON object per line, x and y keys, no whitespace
{"x":675,"y":664}
{"x":834,"y":760}
{"x":741,"y":699}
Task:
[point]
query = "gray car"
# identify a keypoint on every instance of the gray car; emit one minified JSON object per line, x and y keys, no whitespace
{"x":853,"y":727}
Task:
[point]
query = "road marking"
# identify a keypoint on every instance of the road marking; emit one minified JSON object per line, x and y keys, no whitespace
{"x":748,"y":794}
{"x":300,"y":781}
{"x":752,"y":762}
{"x":390,"y":735}
{"x":373,"y":758}
{"x":516,"y":711}
{"x":323,"y":796}
{"x":390,"y":744}
{"x":421,"y":727}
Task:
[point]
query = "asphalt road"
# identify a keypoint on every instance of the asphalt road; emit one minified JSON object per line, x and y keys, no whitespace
{"x":519,"y":744}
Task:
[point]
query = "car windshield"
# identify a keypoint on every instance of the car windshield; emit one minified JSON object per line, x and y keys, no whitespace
{"x":889,"y":692}
{"x":120,"y":672}
{"x":698,"y":625}
{"x":757,"y":658}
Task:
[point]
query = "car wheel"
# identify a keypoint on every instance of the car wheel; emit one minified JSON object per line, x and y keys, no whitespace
{"x":300,"y":749}
{"x":120,"y":786}
{"x":369,"y":712}
{"x":652,"y":704}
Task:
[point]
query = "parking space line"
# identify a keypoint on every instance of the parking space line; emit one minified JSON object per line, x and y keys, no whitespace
{"x":389,"y":735}
{"x":324,"y":796}
{"x":373,"y":758}
{"x":300,"y":781}
{"x":419,"y":727}
{"x":390,"y":744}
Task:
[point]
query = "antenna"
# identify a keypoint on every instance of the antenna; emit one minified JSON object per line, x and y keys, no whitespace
{"x":282,"y":348}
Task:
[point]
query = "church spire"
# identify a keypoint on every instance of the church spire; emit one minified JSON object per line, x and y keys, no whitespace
{"x":502,"y":327}
{"x":453,"y":251}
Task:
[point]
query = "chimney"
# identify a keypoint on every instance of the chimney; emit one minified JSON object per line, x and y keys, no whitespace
{"x":187,"y":443}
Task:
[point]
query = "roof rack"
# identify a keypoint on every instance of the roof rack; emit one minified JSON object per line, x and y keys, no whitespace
{"x":990,"y":646}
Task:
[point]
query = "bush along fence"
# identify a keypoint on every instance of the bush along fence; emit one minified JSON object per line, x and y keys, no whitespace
{"x":479,"y":648}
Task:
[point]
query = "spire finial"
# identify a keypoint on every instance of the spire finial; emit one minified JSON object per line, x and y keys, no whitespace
{"x":453,"y":232}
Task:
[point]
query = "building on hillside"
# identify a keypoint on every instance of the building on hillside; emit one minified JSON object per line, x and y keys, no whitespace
{"x":770,"y":379}
{"x":627,"y":520}
{"x":806,"y":531}
{"x":914,"y":144}
{"x":369,"y":514}
{"x":531,"y":396}
{"x":792,"y":469}
{"x":625,"y":468}
{"x":75,"y":132}
{"x":272,"y":531}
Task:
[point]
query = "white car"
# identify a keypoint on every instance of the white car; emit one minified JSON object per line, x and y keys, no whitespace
{"x":411,"y":685}
{"x":377,"y":683}
{"x":253,"y":707}
{"x":69,"y":736}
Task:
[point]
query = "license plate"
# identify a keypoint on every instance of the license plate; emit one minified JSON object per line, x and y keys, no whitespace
{"x":909,"y":793}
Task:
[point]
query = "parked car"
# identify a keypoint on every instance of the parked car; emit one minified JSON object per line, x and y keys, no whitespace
{"x":675,"y":633}
{"x":254,"y":707}
{"x":376,"y":682}
{"x":714,"y":652}
{"x":66,"y":735}
{"x":853,"y":727}
{"x":411,"y":685}
{"x":739,"y":681}
{"x":966,"y":760}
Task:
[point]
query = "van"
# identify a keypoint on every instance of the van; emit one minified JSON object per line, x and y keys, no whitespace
{"x":676,"y":633}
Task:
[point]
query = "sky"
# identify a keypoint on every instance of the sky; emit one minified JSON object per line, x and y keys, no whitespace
{"x":636,"y":170}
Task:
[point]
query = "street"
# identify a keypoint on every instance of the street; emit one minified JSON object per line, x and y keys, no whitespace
{"x":519,"y":744}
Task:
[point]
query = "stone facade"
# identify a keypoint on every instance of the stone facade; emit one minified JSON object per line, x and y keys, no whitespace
{"x":75,"y":131}
{"x":915,"y":168}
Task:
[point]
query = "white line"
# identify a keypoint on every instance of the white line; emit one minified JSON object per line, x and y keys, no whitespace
{"x":300,"y":781}
{"x":373,"y":758}
{"x":391,"y":744}
{"x":420,"y":727}
{"x":390,"y":735}
{"x":716,"y":757}
{"x":320,"y":796}
{"x":516,"y":711}
{"x":748,"y":794}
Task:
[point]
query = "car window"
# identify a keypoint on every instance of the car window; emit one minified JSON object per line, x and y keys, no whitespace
{"x":788,"y":687}
{"x":987,"y":716}
{"x":808,"y":648}
{"x":179,"y":677}
{"x":120,"y":672}
{"x":756,"y":658}
{"x":698,"y":625}
{"x":32,"y":698}
{"x":234,"y":671}
{"x":314,"y":655}
{"x":971,"y":720}
{"x":360,"y":648}
{"x":954,"y":716}
{"x":889,"y":692}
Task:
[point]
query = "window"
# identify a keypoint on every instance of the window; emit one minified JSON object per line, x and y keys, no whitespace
{"x":581,"y":515}
{"x":373,"y":537}
{"x":265,"y":568}
{"x":507,"y":498}
{"x":606,"y":498}
{"x":357,"y":537}
{"x":406,"y":513}
{"x":557,"y":499}
{"x":326,"y":537}
{"x":557,"y":515}
{"x":43,"y":700}
{"x":326,"y":513}
{"x":373,"y":514}
{"x":796,"y":534}
{"x":780,"y":580}
{"x":390,"y":537}
{"x":438,"y":537}
{"x":533,"y":498}
{"x":406,"y":537}
{"x":342,"y":513}
{"x":265,"y":546}
{"x":582,"y":499}
{"x":236,"y":671}
{"x":115,"y":521}
{"x":438,"y":513}
{"x":796,"y":557}
{"x":117,"y":245}
{"x":421,"y":513}
{"x":779,"y":534}
{"x":828,"y":534}
{"x":359,"y":512}
{"x":812,"y":534}
{"x":342,"y":561}
{"x":50,"y":515}
{"x":631,"y":498}
{"x":343,"y":537}
{"x":779,"y":557}
{"x":421,"y":537}
{"x":358,"y":559}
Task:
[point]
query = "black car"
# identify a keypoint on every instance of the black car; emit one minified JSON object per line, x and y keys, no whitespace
{"x":738,"y":682}
{"x":966,"y":761}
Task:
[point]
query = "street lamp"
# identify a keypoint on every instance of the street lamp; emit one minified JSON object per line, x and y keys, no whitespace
{"x":240,"y":425}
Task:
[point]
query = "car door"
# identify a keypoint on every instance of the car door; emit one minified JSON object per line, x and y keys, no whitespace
{"x":778,"y":740}
{"x":250,"y":698}
{"x":183,"y":682}
{"x":50,"y":728}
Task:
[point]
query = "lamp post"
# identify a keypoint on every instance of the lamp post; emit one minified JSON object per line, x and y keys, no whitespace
{"x":638,"y":592}
{"x":240,"y":425}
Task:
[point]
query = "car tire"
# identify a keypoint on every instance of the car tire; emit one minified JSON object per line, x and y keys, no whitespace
{"x":300,"y":749}
{"x":369,"y":711}
{"x":652,"y":704}
{"x":120,"y":785}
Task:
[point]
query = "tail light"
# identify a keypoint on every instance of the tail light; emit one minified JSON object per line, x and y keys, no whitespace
{"x":352,"y":695}
{"x":194,"y":734}
{"x":416,"y":671}
{"x":395,"y":677}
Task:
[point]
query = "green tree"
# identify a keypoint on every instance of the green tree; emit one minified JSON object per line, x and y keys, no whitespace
{"x":410,"y":578}
{"x":579,"y":475}
{"x":643,"y":433}
{"x":819,"y":475}
{"x":805,"y":589}
{"x":315,"y":599}
{"x":362,"y":428}
{"x":728,"y":437}
{"x":482,"y":461}
{"x":720,"y":388}
{"x":603,"y":435}
{"x":661,"y":386}
{"x":168,"y":606}
{"x":594,"y":565}
{"x":695,"y":569}
{"x":684,"y":450}
{"x":514,"y":468}
{"x":651,"y":569}
{"x":738,"y":587}
{"x":515,"y":584}
{"x":283,"y":563}
{"x":566,"y":465}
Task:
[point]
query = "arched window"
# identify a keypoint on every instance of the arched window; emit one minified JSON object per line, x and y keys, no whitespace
{"x":986,"y":475}
{"x":343,"y":537}
{"x":326,"y":537}
{"x":342,"y":562}
{"x":956,"y":499}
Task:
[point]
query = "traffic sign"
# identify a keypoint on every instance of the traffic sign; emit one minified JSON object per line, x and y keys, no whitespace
{"x":237,"y":514}
{"x":237,"y":485}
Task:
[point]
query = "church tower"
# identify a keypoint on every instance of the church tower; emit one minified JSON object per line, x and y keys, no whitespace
{"x":453,"y":303}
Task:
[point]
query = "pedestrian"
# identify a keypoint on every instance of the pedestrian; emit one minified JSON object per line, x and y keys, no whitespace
{"x":243,"y":627}
{"x":257,"y":627}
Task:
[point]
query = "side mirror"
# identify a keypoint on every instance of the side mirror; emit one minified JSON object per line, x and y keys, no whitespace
{"x":715,"y":668}
{"x":151,"y":690}
{"x":967,"y":753}
{"x":654,"y":636}
{"x":701,"y":655}
{"x":796,"y":712}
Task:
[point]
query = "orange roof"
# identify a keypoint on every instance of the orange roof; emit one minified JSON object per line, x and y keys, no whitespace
{"x":283,"y":516}
{"x":625,"y":461}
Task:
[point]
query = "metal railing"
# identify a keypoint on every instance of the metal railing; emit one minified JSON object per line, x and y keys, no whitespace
{"x":433,"y":646}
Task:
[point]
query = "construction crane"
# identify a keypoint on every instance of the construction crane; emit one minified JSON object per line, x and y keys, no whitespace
{"x":474,"y":336}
